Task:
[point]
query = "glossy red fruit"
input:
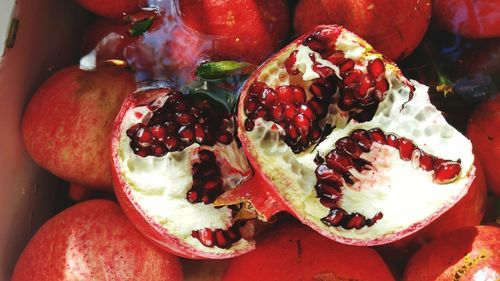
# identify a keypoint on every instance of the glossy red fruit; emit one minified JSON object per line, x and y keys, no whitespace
{"x":469,"y":253}
{"x":468,"y":18}
{"x":111,"y":8}
{"x":294,"y":252}
{"x":67,"y":124}
{"x":93,"y":240}
{"x":394,"y":28}
{"x":485,"y":136}
{"x":247,"y":30}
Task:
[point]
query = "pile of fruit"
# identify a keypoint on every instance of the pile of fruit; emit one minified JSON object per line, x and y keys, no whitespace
{"x":279,"y":135}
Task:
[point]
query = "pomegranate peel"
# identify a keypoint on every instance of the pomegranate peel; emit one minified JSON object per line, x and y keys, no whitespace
{"x":168,"y":191}
{"x":365,"y":110}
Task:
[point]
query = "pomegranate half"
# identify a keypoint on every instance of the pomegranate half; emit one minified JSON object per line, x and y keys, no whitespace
{"x":173,"y":155}
{"x":350,"y":146}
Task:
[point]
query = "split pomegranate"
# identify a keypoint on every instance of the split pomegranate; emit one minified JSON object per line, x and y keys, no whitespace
{"x":111,"y":8}
{"x":483,"y":132}
{"x":359,"y":153}
{"x":294,"y":252}
{"x":67,"y":122}
{"x":173,"y":155}
{"x":394,"y":28}
{"x":468,"y":18}
{"x":469,"y":253}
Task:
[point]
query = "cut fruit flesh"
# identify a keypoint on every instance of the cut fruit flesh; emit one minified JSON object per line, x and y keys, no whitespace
{"x":169,"y":195}
{"x":391,"y":189}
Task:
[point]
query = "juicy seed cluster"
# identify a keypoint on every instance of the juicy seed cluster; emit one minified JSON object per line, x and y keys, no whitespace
{"x":207,"y":181}
{"x":289,"y":107}
{"x":219,"y":238}
{"x":333,"y":171}
{"x":179,"y":123}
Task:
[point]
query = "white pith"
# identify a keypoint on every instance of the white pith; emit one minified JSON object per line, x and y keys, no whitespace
{"x":159,"y":185}
{"x":405,"y":194}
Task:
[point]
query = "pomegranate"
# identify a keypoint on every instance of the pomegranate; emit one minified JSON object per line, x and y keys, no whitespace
{"x":468,"y":18}
{"x":358,"y":153}
{"x":67,"y":123}
{"x":111,"y":8}
{"x":395,"y":28}
{"x":173,"y":155}
{"x":93,"y":240}
{"x":469,"y":253}
{"x":247,"y":30}
{"x":294,"y":252}
{"x":483,"y":132}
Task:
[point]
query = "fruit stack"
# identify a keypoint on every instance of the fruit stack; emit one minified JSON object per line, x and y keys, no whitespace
{"x":294,"y":148}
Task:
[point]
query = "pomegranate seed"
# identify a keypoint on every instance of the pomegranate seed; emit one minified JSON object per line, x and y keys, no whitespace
{"x":406,"y":148}
{"x":302,"y":123}
{"x":447,"y":172}
{"x":291,"y":132}
{"x":328,"y":202}
{"x":361,"y":164}
{"x":268,"y":97}
{"x":330,"y":190}
{"x":132,"y":130}
{"x":261,"y":112}
{"x":299,"y":95}
{"x":356,"y":221}
{"x":225,"y":138}
{"x":327,"y":34}
{"x":318,"y":90}
{"x":376,"y":68}
{"x":192,"y":196}
{"x":363,"y":139}
{"x":323,"y":172}
{"x":352,"y":76}
{"x":372,"y":221}
{"x":323,"y":70}
{"x":382,"y":85}
{"x":233,"y":235}
{"x":249,"y":124}
{"x":170,"y":128}
{"x":378,"y":136}
{"x":195,"y":112}
{"x":159,"y":150}
{"x":392,"y":140}
{"x":144,"y":137}
{"x":365,"y":84}
{"x":314,"y":44}
{"x":186,"y":134}
{"x":315,"y":133}
{"x":339,"y":161}
{"x":199,"y":133}
{"x":250,"y":106}
{"x":181,"y":105}
{"x":206,"y":155}
{"x":141,"y":151}
{"x":318,"y":108}
{"x":347,"y":65}
{"x":290,"y":63}
{"x":277,"y":112}
{"x":425,"y":160}
{"x":306,"y":111}
{"x":212,"y":184}
{"x":348,"y":146}
{"x":172,"y":143}
{"x":285,"y":94}
{"x":221,"y":239}
{"x":257,"y":87}
{"x":290,"y":111}
{"x":206,"y":237}
{"x":336,"y":58}
{"x":183,"y":118}
{"x":335,"y":217}
{"x":158,"y":132}
{"x":347,"y":100}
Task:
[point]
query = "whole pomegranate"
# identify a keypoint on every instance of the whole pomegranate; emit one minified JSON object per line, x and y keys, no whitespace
{"x":247,"y":30}
{"x":294,"y":252}
{"x":67,"y":124}
{"x":173,"y":156}
{"x":93,"y":240}
{"x":341,"y":139}
{"x":394,"y":28}
{"x":485,"y":137}
{"x":469,"y":253}
{"x":111,"y":8}
{"x":468,"y":18}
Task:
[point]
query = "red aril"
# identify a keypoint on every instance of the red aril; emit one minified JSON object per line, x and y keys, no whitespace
{"x":67,"y":123}
{"x":93,"y":240}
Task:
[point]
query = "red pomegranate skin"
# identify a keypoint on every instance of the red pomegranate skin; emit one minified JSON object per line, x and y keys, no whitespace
{"x":467,"y":212}
{"x":246,"y":30}
{"x":394,"y":28}
{"x":93,"y":240}
{"x":469,"y":253}
{"x":67,"y":124}
{"x":468,"y":18}
{"x":296,"y":252}
{"x":111,"y":8}
{"x":482,"y":130}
